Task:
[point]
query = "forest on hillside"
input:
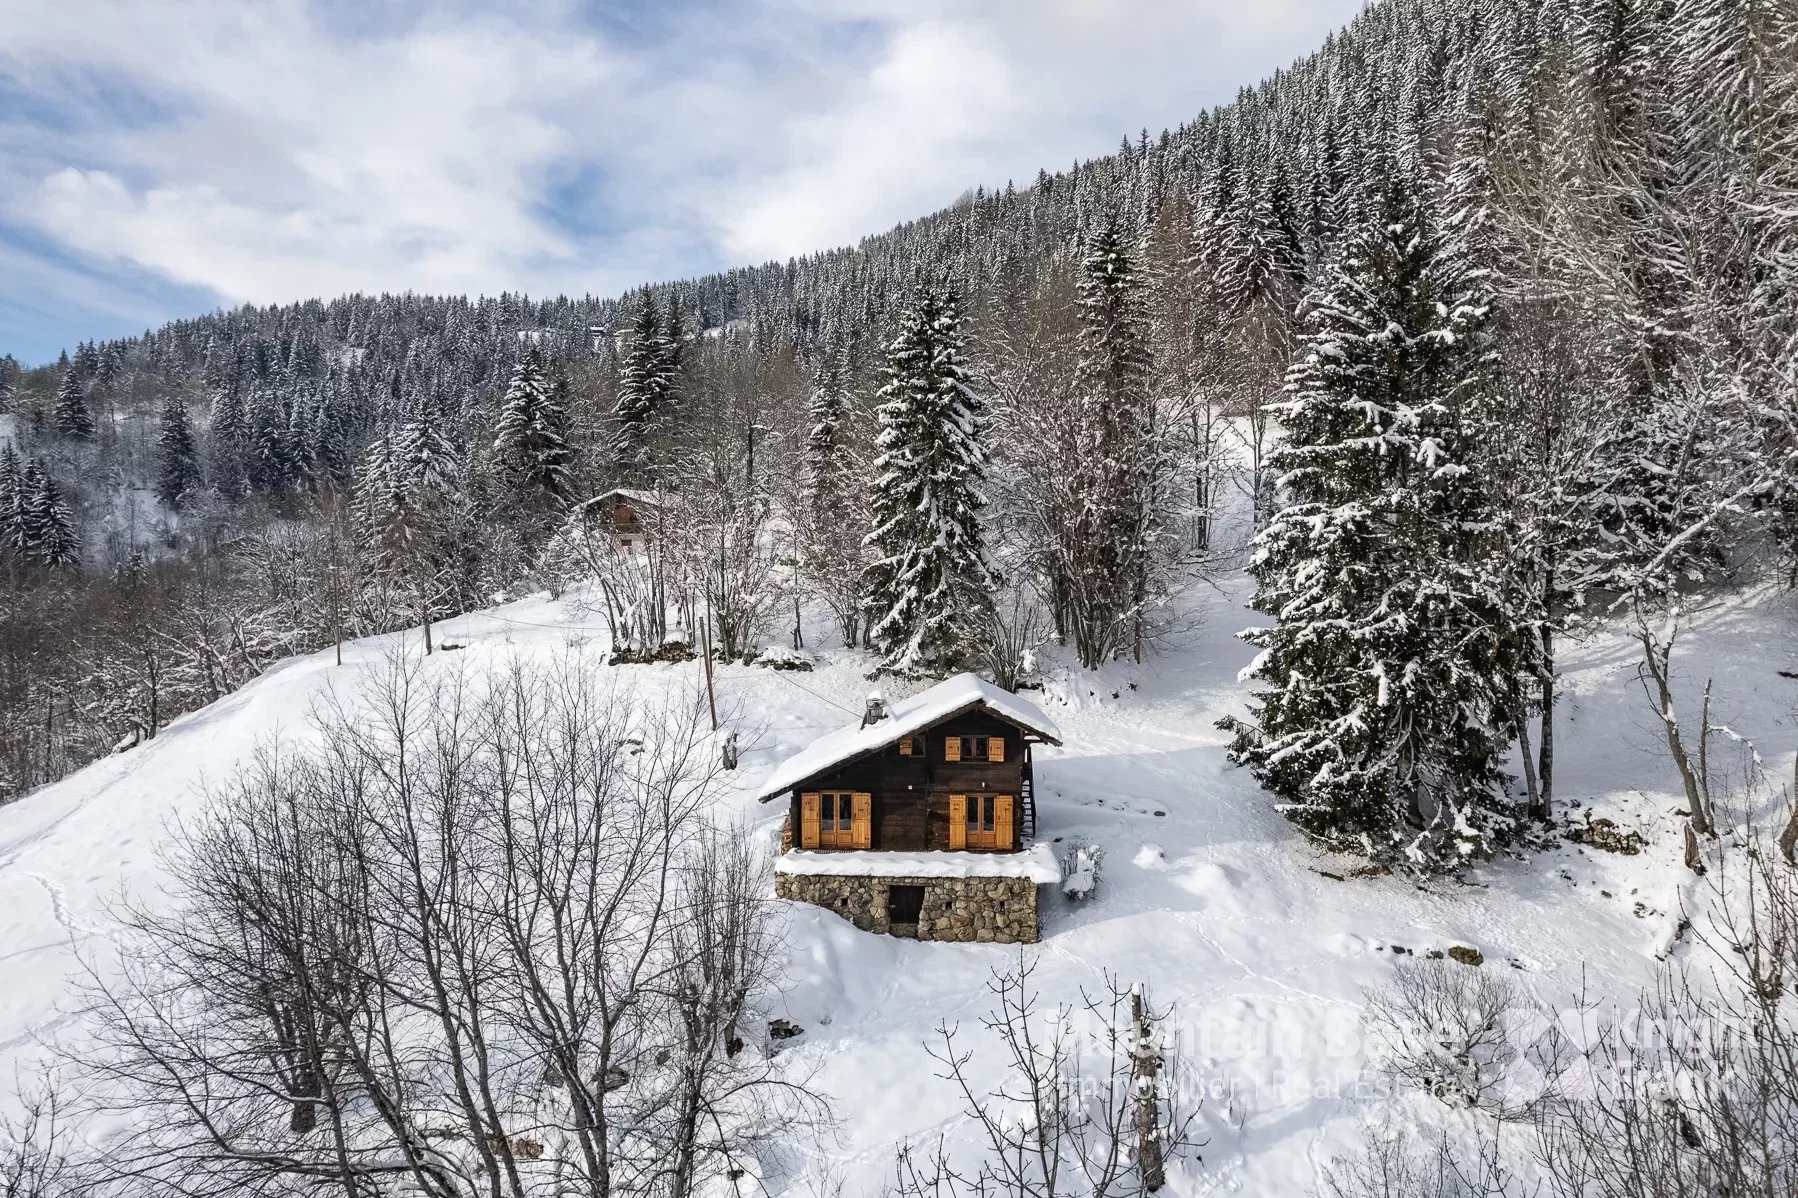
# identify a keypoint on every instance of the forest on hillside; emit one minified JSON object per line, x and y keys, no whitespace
{"x":1489,"y":310}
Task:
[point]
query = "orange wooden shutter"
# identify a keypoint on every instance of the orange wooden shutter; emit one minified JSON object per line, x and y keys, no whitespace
{"x":1002,"y":822}
{"x":995,"y":748}
{"x":952,"y":748}
{"x":958,"y":821}
{"x":808,"y":819}
{"x":905,"y":746}
{"x":862,"y":824}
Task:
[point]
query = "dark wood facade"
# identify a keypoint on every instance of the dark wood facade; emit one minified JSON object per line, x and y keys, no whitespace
{"x":912,"y":796}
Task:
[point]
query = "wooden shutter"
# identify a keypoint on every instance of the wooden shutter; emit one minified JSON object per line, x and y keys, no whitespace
{"x":1002,"y":823}
{"x":862,"y":823}
{"x":952,"y":748}
{"x":808,"y":819}
{"x":995,"y":748}
{"x":905,"y":747}
{"x":958,"y":821}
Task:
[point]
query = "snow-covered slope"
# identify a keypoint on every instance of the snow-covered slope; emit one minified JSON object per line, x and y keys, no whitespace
{"x":1207,"y":894}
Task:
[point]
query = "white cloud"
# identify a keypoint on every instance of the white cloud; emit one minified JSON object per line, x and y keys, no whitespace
{"x":275,"y":150}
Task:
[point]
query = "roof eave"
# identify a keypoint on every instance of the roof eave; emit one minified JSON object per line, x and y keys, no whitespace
{"x":887,"y":744}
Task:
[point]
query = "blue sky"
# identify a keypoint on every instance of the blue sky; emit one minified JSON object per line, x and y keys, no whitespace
{"x":160,"y":158}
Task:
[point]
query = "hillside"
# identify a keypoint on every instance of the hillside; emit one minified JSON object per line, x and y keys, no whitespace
{"x":1208,"y":896}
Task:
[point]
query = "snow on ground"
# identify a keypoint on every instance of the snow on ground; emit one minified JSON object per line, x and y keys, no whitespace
{"x":1261,"y":944}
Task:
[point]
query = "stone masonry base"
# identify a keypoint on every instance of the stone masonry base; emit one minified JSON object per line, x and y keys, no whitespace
{"x":988,"y":910}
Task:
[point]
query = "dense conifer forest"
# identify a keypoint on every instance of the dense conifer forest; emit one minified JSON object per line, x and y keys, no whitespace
{"x":1507,"y":288}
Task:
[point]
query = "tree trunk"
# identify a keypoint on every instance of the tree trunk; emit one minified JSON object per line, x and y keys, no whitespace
{"x":1147,"y":1068}
{"x":1528,"y":757}
{"x":304,"y":1116}
{"x":1788,"y":838}
{"x":1545,"y":760}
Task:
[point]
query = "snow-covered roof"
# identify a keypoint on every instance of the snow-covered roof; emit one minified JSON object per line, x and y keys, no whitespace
{"x":1036,"y":863}
{"x":635,"y":496}
{"x":952,"y":696}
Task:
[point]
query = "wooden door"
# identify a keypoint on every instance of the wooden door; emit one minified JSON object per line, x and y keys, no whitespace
{"x":862,"y":823}
{"x":808,"y":819}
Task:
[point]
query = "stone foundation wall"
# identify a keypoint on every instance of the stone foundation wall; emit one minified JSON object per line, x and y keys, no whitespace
{"x":988,"y":910}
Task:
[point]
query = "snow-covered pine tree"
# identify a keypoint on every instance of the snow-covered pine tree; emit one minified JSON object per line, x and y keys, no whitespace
{"x":929,"y":582}
{"x":834,"y":508}
{"x":379,"y":506}
{"x":272,"y":456}
{"x":177,"y":457}
{"x":71,"y":416}
{"x":430,"y":465}
{"x":9,"y":382}
{"x":49,"y":534}
{"x":12,"y":503}
{"x":530,"y":443}
{"x":645,"y":385}
{"x":1391,"y":680}
{"x":1106,"y":525}
{"x":227,"y":442}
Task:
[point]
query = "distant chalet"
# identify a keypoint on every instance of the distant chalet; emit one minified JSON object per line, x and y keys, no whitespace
{"x":631,"y":517}
{"x":918,"y":820}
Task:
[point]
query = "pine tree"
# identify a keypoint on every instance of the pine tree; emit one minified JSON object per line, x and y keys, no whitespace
{"x":1105,"y":523}
{"x":71,"y":416}
{"x":430,"y":465}
{"x":530,"y":443}
{"x":49,"y":534}
{"x":177,"y":457}
{"x":9,"y":382}
{"x":1392,"y":677}
{"x":227,"y":436}
{"x":646,"y":385}
{"x":12,"y":504}
{"x":380,"y":501}
{"x":929,"y":582}
{"x":271,"y":456}
{"x":833,"y":511}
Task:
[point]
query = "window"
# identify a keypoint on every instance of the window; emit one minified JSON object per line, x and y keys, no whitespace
{"x":980,"y":814}
{"x":839,"y":811}
{"x":911,"y":746}
{"x":980,"y":822}
{"x":835,"y":819}
{"x":973,"y":748}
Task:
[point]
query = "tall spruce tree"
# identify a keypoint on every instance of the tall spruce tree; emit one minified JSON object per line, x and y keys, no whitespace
{"x":1391,"y":680}
{"x":834,"y":506}
{"x":177,"y":456}
{"x":272,"y":454}
{"x":71,"y":415}
{"x":1106,"y":523}
{"x":645,"y":386}
{"x":12,"y":503}
{"x":530,"y":443}
{"x":49,"y":534}
{"x":227,"y":437}
{"x":929,"y":583}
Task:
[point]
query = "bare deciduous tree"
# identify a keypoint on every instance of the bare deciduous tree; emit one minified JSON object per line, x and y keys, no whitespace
{"x":1099,"y":1119}
{"x":482,"y":940}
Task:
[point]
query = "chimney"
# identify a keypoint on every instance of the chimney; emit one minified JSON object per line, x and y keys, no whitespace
{"x":877,"y":709}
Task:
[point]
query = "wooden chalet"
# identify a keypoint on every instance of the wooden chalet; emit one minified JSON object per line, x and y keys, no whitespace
{"x":629,"y":515}
{"x":919,"y":820}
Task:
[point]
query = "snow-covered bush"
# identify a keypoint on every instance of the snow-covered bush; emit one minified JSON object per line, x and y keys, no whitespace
{"x":1081,"y":865}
